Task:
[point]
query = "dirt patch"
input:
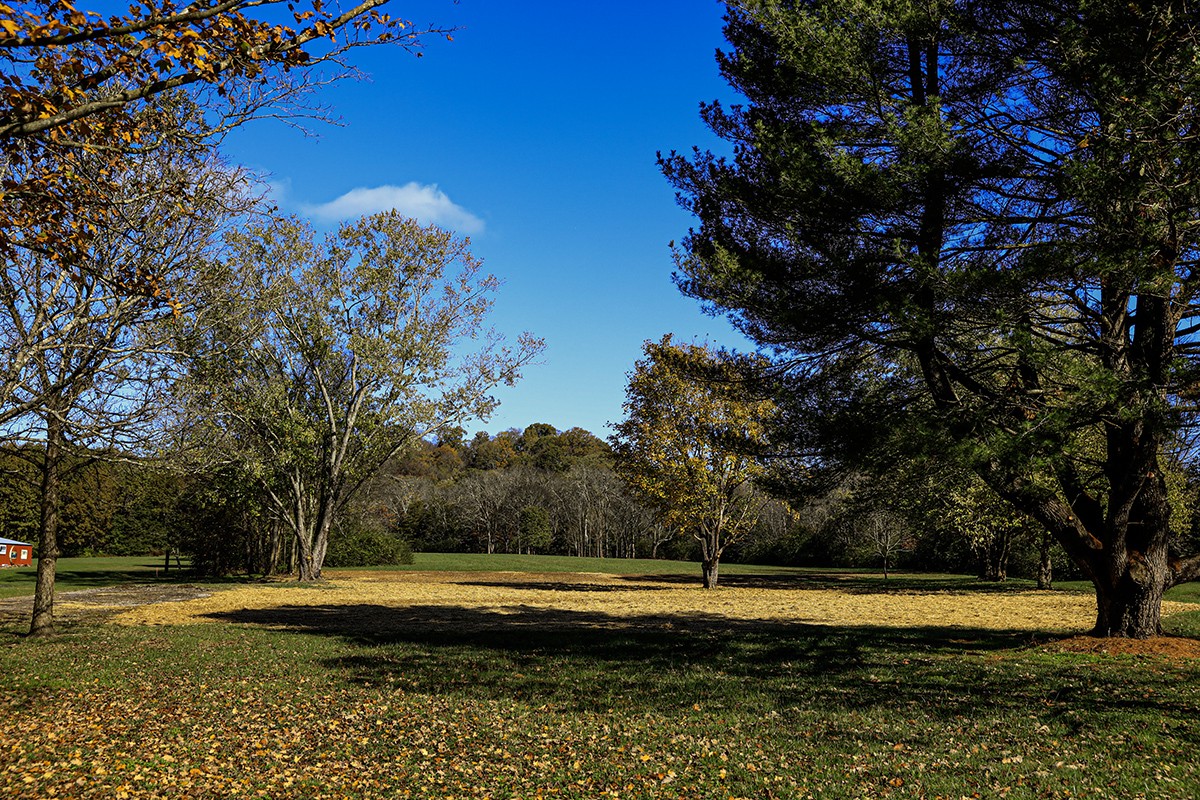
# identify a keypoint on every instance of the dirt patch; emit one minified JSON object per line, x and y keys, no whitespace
{"x":1169,"y":647}
{"x":610,"y":600}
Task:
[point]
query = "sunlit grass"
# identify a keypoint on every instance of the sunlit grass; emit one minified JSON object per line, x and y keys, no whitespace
{"x":751,"y":711}
{"x":440,"y":701}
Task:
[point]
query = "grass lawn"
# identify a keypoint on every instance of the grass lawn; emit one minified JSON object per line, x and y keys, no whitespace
{"x":518,"y":704}
{"x":92,"y":573}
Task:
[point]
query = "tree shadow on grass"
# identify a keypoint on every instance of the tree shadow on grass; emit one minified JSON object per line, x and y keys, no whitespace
{"x":596,"y":662}
{"x":88,"y":578}
{"x":854,"y":583}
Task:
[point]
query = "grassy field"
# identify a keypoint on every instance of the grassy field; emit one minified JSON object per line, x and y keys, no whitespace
{"x":520,"y":702}
{"x":87,"y":573}
{"x":92,"y":573}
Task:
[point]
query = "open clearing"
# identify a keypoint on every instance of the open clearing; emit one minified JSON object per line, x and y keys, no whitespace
{"x":536,"y":684}
{"x":593,"y":599}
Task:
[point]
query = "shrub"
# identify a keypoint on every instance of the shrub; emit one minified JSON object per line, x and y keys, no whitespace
{"x":355,"y":544}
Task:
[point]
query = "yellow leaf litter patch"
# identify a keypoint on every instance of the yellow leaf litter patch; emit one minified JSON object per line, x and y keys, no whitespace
{"x":592,"y":599}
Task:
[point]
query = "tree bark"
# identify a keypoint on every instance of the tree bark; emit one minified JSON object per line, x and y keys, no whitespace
{"x":307,"y":567}
{"x":994,"y":555}
{"x":708,"y":569}
{"x":43,"y":597}
{"x":1132,"y":606}
{"x":1045,"y":574}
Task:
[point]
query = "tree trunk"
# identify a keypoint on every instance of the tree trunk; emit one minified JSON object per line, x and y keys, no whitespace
{"x":1129,"y":595}
{"x":994,"y":555}
{"x":1045,"y":575}
{"x":1132,"y":608}
{"x":305,"y":570}
{"x":312,"y":556}
{"x":43,"y":596}
{"x":708,"y":568}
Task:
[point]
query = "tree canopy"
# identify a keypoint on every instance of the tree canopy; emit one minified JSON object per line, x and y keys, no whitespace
{"x":687,"y":447}
{"x":78,"y":86}
{"x":972,"y":229}
{"x":329,"y":357}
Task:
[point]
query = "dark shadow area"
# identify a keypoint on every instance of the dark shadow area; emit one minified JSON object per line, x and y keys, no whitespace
{"x":853,"y":583}
{"x":150,"y":572}
{"x":598,"y":662}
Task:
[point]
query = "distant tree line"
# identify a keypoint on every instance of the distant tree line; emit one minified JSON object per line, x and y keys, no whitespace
{"x":534,"y":491}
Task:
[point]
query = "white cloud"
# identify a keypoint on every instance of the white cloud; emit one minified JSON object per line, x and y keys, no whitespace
{"x":427,"y":204}
{"x":278,"y":190}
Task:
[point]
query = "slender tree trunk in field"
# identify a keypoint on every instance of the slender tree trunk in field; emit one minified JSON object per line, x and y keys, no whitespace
{"x":710,"y":558}
{"x":43,"y":597}
{"x":313,"y":545}
{"x":995,"y":557}
{"x":275,"y":549}
{"x":307,"y":567}
{"x":1045,"y":574}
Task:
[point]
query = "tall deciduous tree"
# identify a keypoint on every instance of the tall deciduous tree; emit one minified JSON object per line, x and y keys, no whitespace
{"x":685,"y":448}
{"x":88,"y":365}
{"x":998,"y":204}
{"x":335,"y":355}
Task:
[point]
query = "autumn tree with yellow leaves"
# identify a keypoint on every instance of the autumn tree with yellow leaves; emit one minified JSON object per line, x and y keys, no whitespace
{"x":97,"y":113}
{"x":75,"y":86}
{"x":688,"y":445}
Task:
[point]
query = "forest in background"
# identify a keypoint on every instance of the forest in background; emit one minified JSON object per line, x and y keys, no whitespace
{"x":536,"y":491}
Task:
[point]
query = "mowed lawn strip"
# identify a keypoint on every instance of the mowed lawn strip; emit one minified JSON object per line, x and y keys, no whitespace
{"x":366,"y":700}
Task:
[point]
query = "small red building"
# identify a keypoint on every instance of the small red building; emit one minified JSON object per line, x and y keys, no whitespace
{"x":15,"y":554}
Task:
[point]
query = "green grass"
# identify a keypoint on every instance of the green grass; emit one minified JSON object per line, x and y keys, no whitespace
{"x":435,"y":702}
{"x":86,"y":573}
{"x":509,"y":705}
{"x":91,"y":573}
{"x":1184,"y":593}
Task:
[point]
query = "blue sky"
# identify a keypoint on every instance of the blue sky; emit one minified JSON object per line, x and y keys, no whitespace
{"x":535,"y":132}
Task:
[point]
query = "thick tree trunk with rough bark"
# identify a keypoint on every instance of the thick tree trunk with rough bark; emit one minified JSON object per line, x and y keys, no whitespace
{"x":1122,"y":548}
{"x":1129,"y":609}
{"x":708,"y":569}
{"x":1129,"y":595}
